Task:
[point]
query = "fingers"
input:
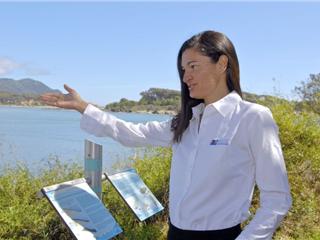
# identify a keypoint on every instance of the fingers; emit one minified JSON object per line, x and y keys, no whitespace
{"x":54,"y":104}
{"x":51,"y":97}
{"x":61,"y":100}
{"x":55,"y":101}
{"x":50,"y":102}
{"x":69,"y":89}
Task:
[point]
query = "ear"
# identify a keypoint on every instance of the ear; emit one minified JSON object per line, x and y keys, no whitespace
{"x":223,"y":63}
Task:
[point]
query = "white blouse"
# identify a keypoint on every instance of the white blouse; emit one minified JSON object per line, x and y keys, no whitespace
{"x":216,"y":165}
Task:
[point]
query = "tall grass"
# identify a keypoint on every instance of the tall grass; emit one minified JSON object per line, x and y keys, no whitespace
{"x":22,"y":214}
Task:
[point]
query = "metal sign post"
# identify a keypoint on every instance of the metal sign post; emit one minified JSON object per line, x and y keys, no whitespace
{"x":93,"y":166}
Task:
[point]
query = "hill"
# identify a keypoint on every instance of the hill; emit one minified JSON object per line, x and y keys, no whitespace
{"x":23,"y":92}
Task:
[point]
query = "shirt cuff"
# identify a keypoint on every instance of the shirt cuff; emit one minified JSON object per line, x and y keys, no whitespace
{"x":90,"y":117}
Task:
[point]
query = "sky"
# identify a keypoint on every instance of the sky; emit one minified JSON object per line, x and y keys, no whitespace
{"x":113,"y":50}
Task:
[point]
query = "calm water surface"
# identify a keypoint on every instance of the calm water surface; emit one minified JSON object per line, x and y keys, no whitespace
{"x":32,"y":136}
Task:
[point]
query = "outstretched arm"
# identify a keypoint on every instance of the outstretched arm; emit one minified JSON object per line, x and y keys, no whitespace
{"x":103,"y":124}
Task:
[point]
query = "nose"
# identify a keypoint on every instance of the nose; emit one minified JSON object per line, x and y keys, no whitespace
{"x":187,"y":77}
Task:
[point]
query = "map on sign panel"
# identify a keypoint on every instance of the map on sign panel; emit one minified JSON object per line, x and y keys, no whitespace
{"x":81,"y":210}
{"x":135,"y":193}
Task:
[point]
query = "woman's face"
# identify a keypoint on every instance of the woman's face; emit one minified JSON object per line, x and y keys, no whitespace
{"x":205,"y":80}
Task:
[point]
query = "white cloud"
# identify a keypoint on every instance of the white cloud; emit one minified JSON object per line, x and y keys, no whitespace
{"x":7,"y":65}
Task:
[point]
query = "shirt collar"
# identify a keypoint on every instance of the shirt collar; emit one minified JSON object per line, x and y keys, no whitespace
{"x":197,"y":110}
{"x":224,"y":106}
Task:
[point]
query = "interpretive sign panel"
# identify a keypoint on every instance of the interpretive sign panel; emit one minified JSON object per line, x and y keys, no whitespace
{"x":81,"y":210}
{"x":135,"y":193}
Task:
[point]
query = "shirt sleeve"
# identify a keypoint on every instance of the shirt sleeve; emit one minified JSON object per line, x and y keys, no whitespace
{"x":270,"y":175}
{"x":103,"y":124}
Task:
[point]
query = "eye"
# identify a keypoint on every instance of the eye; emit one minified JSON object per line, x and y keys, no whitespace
{"x":193,"y":66}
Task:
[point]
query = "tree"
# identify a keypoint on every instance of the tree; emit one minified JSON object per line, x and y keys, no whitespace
{"x":309,"y":92}
{"x":157,"y":94}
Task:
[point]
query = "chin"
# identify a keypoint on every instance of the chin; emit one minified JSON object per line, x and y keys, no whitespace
{"x":195,"y":96}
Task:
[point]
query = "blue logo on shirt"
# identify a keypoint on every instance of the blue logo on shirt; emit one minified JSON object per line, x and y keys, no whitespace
{"x":219,"y":142}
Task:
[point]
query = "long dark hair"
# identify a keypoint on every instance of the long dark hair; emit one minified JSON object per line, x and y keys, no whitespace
{"x":212,"y":44}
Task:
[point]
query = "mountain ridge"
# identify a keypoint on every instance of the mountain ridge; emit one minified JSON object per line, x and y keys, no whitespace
{"x":24,"y":86}
{"x":23,"y":92}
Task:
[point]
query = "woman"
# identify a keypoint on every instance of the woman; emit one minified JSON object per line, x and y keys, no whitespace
{"x":222,"y":146}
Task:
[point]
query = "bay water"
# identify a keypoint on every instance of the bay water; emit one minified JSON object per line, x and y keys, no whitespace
{"x":34,"y":136}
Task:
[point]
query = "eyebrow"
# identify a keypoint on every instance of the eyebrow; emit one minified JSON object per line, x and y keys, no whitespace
{"x":192,"y":61}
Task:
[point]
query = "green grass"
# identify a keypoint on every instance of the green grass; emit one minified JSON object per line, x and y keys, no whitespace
{"x":24,"y":216}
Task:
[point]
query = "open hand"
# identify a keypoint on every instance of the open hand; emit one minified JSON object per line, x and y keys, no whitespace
{"x":71,"y":100}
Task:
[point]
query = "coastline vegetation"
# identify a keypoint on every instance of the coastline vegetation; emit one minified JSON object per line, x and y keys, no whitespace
{"x":166,"y":101}
{"x":9,"y":99}
{"x":154,"y":100}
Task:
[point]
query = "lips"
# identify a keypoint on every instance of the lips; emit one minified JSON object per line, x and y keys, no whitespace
{"x":191,"y":86}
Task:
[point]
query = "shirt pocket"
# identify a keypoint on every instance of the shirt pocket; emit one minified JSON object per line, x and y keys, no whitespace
{"x":211,"y":164}
{"x":214,"y":154}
